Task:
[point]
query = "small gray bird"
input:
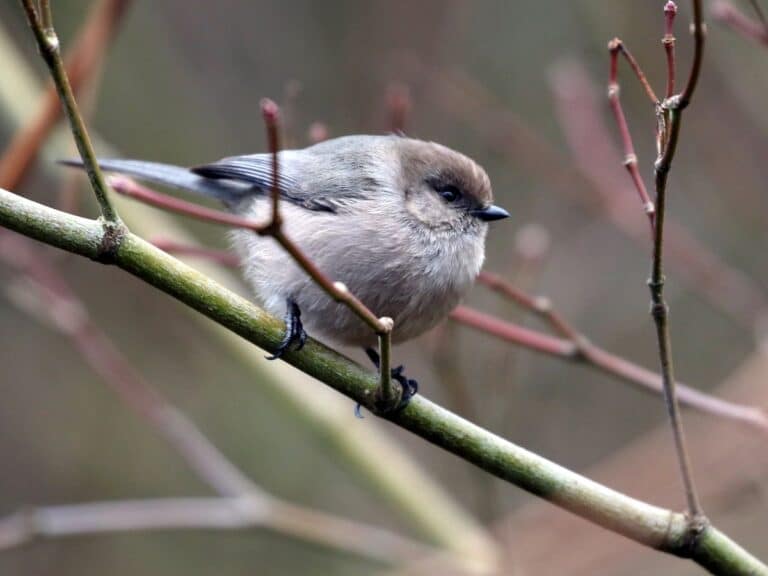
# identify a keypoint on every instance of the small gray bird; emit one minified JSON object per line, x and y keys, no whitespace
{"x":400,"y":222}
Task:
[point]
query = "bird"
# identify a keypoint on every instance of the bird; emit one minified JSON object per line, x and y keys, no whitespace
{"x":401,"y":222}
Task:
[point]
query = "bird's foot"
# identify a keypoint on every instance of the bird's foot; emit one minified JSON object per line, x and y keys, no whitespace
{"x":408,"y":386}
{"x":295,"y":336}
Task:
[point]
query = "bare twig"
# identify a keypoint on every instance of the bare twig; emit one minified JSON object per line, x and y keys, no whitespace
{"x":668,"y":126}
{"x":725,"y":287}
{"x":615,"y":47}
{"x":382,"y":327}
{"x":48,"y":45}
{"x":673,"y":107}
{"x":668,"y":41}
{"x":538,"y":305}
{"x":698,"y":54}
{"x":583,"y":350}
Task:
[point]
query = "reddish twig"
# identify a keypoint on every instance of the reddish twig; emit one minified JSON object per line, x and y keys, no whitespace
{"x":668,"y":41}
{"x":672,"y":109}
{"x":538,"y":305}
{"x":728,"y":14}
{"x":588,"y":138}
{"x":616,"y":47}
{"x":698,"y":55}
{"x":578,"y":348}
{"x":668,"y":130}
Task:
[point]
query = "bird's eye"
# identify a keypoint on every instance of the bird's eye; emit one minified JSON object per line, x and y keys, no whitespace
{"x":449,"y":193}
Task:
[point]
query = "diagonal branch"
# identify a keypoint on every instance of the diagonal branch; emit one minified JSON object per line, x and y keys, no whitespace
{"x":649,"y":525}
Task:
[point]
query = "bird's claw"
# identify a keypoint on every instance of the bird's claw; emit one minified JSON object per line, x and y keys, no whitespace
{"x":295,"y":336}
{"x":408,"y":387}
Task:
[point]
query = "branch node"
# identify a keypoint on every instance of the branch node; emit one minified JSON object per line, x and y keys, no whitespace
{"x":649,"y":208}
{"x":341,"y":287}
{"x":52,"y":43}
{"x":692,"y":29}
{"x":386,"y":324}
{"x":696,"y":526}
{"x":542,"y":304}
{"x":114,"y":233}
{"x":580,"y":344}
{"x":630,"y":160}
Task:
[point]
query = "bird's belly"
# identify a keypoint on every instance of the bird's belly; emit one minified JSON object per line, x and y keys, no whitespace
{"x":415,"y":291}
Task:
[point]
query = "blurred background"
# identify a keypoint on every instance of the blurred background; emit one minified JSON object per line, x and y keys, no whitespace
{"x":518,"y":86}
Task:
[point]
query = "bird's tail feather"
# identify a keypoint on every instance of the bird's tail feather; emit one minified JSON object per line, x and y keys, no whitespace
{"x":171,"y":176}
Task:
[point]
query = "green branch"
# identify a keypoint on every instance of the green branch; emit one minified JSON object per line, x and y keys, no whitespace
{"x":649,"y":525}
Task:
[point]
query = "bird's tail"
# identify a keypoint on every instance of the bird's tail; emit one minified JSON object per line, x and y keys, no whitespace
{"x":229,"y":192}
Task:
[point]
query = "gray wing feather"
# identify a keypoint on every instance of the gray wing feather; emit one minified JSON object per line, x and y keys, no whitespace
{"x":256,"y":171}
{"x":172,"y":177}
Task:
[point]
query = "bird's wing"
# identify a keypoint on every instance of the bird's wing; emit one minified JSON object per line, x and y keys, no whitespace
{"x":311,"y":185}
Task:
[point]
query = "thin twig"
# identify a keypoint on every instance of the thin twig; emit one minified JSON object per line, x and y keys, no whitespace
{"x":589,"y":139}
{"x":668,"y":41}
{"x":615,"y":47}
{"x":48,"y":45}
{"x":382,"y":327}
{"x":673,"y":108}
{"x":699,"y":32}
{"x":538,"y":305}
{"x":586,"y":352}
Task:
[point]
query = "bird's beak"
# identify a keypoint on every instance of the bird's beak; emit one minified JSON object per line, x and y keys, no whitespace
{"x":490,"y":213}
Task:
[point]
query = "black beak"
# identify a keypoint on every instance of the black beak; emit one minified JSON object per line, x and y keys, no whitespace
{"x":490,"y":213}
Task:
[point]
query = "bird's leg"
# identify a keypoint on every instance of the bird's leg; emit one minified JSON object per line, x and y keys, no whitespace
{"x":295,"y":336}
{"x":408,"y":386}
